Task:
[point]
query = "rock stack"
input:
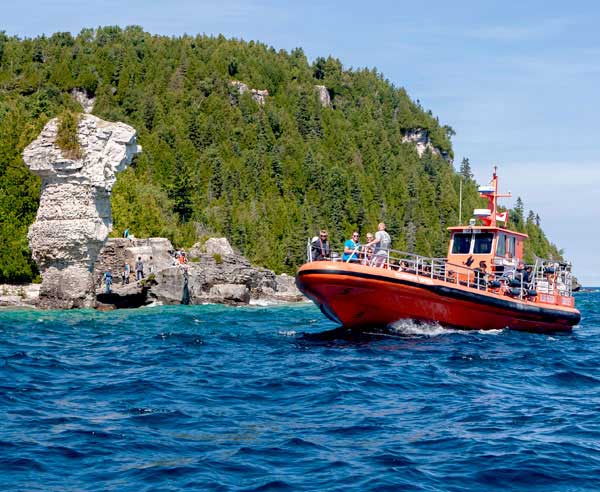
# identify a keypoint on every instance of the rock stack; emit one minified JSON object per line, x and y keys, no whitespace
{"x":74,"y":216}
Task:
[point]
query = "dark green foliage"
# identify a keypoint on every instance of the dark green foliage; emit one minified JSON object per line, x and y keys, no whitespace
{"x":66,"y":136}
{"x":213,"y":160}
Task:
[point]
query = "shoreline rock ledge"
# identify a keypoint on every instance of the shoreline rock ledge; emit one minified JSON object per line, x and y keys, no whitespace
{"x":74,"y":217}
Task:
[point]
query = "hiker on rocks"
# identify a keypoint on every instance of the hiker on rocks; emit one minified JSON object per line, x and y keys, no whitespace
{"x":139,"y":269}
{"x":150,"y":266}
{"x":126,"y":273}
{"x":108,"y":281}
{"x":126,"y":233}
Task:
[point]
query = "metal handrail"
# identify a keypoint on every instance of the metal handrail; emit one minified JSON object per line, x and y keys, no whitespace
{"x":441,"y":269}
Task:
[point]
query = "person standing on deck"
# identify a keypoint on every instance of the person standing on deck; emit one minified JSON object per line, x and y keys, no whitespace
{"x":382,"y":244}
{"x":320,"y":248}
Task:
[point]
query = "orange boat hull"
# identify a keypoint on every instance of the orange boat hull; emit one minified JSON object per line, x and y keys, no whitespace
{"x":359,"y":296}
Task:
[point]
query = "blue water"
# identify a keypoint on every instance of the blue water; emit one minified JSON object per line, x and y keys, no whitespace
{"x":218,"y":398}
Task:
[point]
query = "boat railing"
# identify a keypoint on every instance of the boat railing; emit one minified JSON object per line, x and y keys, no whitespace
{"x":548,"y":277}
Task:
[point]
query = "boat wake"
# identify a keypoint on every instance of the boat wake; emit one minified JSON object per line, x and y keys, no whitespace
{"x":410,"y":327}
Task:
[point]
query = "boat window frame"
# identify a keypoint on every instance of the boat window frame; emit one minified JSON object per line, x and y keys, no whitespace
{"x":501,"y":251}
{"x":512,"y":245}
{"x":454,"y":243}
{"x":487,"y":236}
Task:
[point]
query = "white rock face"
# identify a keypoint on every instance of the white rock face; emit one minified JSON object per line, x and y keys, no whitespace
{"x":219,"y":246}
{"x":74,"y":217}
{"x":87,"y":103}
{"x":420,"y":137}
{"x":260,"y":96}
{"x":324,"y":97}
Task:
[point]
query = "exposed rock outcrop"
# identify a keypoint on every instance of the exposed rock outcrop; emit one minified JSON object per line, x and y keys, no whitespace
{"x":324,"y":97}
{"x":74,"y":216}
{"x":15,"y":296}
{"x":260,"y":96}
{"x":215,"y":274}
{"x":87,"y":102}
{"x":420,"y":138}
{"x":155,"y":252}
{"x":212,"y":246}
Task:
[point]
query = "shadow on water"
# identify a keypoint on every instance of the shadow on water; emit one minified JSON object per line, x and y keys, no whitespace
{"x":357,"y":335}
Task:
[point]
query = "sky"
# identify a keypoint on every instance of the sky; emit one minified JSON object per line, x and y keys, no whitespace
{"x":519,"y":82}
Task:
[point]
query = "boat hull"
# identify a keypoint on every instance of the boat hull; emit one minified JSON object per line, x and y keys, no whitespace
{"x":359,"y":296}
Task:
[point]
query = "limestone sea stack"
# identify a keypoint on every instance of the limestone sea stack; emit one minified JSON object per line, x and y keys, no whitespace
{"x":74,"y":217}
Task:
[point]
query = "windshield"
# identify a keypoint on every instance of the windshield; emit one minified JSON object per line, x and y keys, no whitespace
{"x":461,"y":244}
{"x":483,"y":243}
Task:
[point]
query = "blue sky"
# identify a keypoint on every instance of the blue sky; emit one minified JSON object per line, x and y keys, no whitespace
{"x":518,"y":81}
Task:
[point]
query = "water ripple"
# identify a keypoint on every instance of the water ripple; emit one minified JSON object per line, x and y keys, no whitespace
{"x":277,"y":398}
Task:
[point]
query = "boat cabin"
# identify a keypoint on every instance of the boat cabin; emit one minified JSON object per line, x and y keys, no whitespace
{"x":500,"y":249}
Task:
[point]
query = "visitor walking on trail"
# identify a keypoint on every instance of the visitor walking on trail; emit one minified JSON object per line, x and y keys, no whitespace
{"x":139,"y":269}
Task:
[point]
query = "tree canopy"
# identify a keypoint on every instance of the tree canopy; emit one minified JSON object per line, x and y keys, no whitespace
{"x":216,"y":161}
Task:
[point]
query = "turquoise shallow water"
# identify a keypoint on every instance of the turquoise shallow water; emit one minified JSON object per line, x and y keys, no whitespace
{"x":265,"y":398}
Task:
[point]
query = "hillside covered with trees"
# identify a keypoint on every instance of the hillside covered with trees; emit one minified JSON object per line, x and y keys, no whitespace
{"x":216,"y":161}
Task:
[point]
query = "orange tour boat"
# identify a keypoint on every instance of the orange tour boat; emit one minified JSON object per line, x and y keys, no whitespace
{"x":482,"y":284}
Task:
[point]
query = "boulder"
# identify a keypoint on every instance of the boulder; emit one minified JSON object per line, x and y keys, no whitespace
{"x":74,"y":216}
{"x":212,"y":246}
{"x":229,"y":294}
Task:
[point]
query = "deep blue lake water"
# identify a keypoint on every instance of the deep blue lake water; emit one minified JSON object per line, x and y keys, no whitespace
{"x":218,"y":398}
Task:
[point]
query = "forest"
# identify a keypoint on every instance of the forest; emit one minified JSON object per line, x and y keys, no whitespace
{"x":217,"y":162}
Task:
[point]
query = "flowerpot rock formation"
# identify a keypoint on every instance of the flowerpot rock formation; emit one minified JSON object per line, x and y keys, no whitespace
{"x":74,"y":217}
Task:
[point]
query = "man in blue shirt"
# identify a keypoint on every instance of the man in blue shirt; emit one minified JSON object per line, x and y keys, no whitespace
{"x":351,"y":248}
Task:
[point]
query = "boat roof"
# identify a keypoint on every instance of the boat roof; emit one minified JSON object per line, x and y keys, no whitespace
{"x":467,"y":228}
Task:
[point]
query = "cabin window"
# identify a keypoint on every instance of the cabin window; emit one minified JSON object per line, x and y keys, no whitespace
{"x":461,"y":244}
{"x":501,"y":246}
{"x":511,"y":246}
{"x":483,"y":243}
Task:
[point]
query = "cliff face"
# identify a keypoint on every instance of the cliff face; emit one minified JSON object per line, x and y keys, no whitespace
{"x":420,"y":138}
{"x":74,"y":216}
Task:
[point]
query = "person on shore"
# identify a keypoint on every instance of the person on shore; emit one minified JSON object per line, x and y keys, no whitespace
{"x":351,"y":248}
{"x":108,"y":281}
{"x":382,"y":244}
{"x":150,"y":266}
{"x":126,"y":273}
{"x":320,"y":248}
{"x":126,"y":233}
{"x":139,"y":269}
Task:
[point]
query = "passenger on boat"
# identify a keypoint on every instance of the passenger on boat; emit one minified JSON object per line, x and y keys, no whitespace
{"x":481,"y":274}
{"x":351,"y":248}
{"x":367,"y":252}
{"x":320,"y":248}
{"x":382,"y":243}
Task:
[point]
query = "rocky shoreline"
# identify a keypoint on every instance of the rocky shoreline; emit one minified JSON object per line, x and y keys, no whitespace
{"x":215,"y":275}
